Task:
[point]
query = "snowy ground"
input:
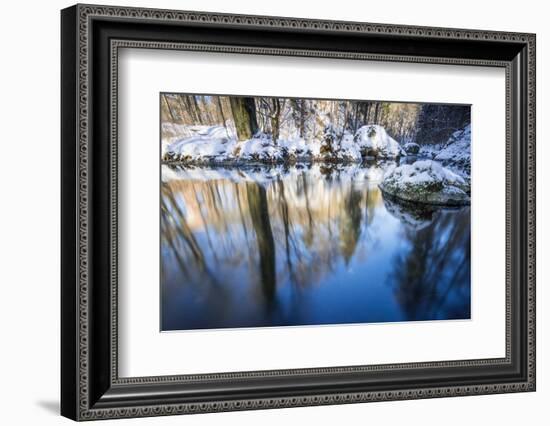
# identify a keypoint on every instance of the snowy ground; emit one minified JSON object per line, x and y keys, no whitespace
{"x":456,"y":154}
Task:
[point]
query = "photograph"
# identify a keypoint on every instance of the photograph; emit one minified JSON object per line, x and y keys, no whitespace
{"x":262,"y":209}
{"x":281,"y":211}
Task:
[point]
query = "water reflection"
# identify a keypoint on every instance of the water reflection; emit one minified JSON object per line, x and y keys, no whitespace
{"x":307,"y":244}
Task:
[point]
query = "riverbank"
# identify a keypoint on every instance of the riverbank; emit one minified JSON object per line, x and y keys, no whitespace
{"x":218,"y":145}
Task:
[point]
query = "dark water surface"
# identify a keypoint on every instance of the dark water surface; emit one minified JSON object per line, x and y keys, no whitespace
{"x":303,"y":245}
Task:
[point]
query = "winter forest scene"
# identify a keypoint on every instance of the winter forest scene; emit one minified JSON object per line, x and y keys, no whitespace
{"x":291,"y":211}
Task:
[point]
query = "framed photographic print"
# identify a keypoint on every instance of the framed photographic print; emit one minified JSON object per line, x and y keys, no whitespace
{"x":263,"y":212}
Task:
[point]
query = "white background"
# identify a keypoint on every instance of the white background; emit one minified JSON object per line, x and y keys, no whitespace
{"x":29,"y":225}
{"x":146,"y":352}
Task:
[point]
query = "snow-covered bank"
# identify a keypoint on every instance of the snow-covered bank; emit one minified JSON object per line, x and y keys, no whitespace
{"x":456,"y":153}
{"x":172,"y":133}
{"x":218,"y":145}
{"x":426,"y":182}
{"x":202,"y":142}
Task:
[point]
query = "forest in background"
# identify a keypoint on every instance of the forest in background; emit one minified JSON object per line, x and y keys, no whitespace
{"x":246,"y":117}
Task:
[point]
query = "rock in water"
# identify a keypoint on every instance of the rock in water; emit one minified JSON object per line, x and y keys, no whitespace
{"x":411,"y":148}
{"x":426,"y":182}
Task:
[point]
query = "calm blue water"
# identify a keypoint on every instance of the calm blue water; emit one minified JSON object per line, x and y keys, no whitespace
{"x":276,"y":246}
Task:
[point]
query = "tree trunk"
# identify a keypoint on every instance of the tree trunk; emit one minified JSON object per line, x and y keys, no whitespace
{"x":208,"y":113}
{"x":377,"y":113}
{"x":355,"y":117}
{"x":191,"y":109}
{"x":198,"y":112}
{"x":367,"y":112}
{"x":222,"y":115}
{"x":346,"y":116}
{"x":184,"y":111}
{"x":302,"y":117}
{"x":275,"y":119}
{"x":244,"y":115}
{"x":170,"y":112}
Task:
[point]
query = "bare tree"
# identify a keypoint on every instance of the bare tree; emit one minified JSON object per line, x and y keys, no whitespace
{"x":167,"y":109}
{"x":244,"y":116}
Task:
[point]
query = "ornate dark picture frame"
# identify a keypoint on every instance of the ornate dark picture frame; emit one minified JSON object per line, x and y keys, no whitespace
{"x":90,"y":38}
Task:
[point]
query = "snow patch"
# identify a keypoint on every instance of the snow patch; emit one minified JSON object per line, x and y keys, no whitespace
{"x":175,"y":136}
{"x":206,"y":144}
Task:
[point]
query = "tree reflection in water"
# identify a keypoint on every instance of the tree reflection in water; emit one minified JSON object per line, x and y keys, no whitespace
{"x":431,"y":277}
{"x":304,"y":244}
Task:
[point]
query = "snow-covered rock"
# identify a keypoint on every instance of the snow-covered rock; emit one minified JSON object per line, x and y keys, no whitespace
{"x":373,"y":140}
{"x":171,"y":132}
{"x":429,"y":151}
{"x":328,"y":144}
{"x":206,"y":144}
{"x":411,"y":148}
{"x":215,"y":145}
{"x":456,"y":153}
{"x":295,"y":148}
{"x":348,"y":149}
{"x":426,"y":182}
{"x":261,"y":149}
